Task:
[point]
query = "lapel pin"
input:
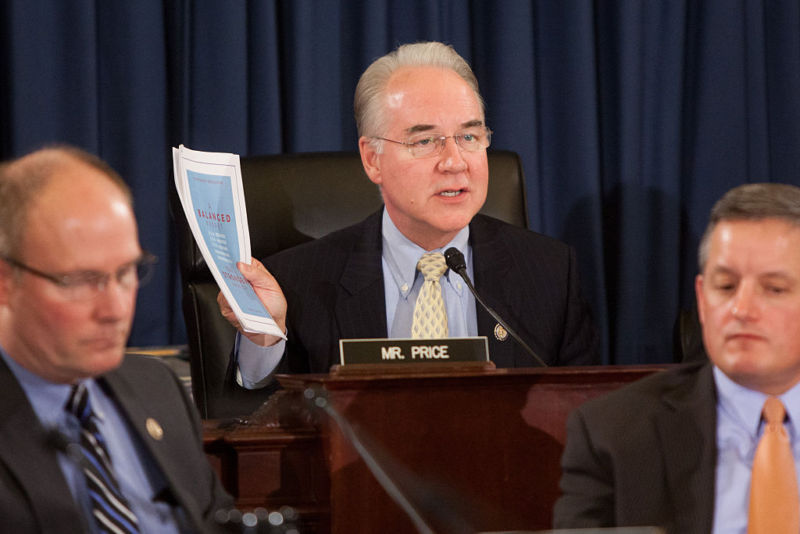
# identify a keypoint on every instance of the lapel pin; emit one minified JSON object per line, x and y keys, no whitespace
{"x":500,"y":333}
{"x":154,"y":429}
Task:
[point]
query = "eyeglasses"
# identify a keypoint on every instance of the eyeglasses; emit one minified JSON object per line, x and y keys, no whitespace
{"x":86,"y":285}
{"x":426,"y":144}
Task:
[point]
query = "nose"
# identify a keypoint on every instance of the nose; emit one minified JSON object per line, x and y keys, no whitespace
{"x":744,"y":305}
{"x":451,"y":160}
{"x":114,"y":301}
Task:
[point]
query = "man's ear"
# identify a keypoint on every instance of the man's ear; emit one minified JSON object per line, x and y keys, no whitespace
{"x":370,"y":159}
{"x":701,"y":299}
{"x":6,"y":279}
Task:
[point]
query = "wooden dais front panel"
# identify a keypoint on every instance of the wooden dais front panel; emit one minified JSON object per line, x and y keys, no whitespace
{"x":482,"y":447}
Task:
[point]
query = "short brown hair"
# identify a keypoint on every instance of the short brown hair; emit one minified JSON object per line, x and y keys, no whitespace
{"x":752,"y":202}
{"x":22,"y":179}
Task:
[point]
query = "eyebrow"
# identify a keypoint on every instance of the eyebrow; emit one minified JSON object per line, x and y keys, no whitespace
{"x":721,"y":270}
{"x":121,"y":266}
{"x":472,"y":123}
{"x":419,"y":128}
{"x":780,"y":275}
{"x":428,"y":127}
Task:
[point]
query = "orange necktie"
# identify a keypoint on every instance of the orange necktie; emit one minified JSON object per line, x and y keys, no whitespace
{"x":774,"y":501}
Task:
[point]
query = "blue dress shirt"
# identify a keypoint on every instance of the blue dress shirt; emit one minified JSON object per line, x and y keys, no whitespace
{"x":739,"y":427}
{"x":402,"y":283}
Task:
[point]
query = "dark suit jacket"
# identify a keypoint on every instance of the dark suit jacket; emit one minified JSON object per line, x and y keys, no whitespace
{"x":643,"y":455}
{"x":35,"y":497}
{"x":334,"y":287}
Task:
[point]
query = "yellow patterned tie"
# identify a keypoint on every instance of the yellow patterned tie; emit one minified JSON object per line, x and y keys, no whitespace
{"x":774,"y":501}
{"x":430,"y":317}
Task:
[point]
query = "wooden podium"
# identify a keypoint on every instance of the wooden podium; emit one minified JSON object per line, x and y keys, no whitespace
{"x":481,"y":446}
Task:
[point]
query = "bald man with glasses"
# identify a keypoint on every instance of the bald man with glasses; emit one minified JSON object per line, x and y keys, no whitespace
{"x":423,"y":141}
{"x":91,"y":440}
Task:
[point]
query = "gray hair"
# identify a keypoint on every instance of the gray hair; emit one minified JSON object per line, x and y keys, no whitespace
{"x":752,"y":202}
{"x":368,"y":104}
{"x":23,"y":179}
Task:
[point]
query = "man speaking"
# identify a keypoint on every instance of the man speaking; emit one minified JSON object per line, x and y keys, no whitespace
{"x":423,"y":141}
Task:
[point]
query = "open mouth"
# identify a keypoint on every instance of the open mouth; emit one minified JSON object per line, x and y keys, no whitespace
{"x":451,"y":193}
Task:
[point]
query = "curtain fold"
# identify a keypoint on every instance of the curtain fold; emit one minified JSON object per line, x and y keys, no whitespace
{"x":631,"y":118}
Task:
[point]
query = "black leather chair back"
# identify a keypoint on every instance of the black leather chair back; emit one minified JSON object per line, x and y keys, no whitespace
{"x":291,"y":199}
{"x":687,"y":337}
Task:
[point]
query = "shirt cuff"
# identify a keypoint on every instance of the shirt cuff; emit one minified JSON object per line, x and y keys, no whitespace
{"x":256,"y":364}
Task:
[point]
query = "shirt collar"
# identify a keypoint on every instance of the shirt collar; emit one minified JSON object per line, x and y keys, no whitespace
{"x":47,"y":398}
{"x":744,"y":405}
{"x":401,"y":254}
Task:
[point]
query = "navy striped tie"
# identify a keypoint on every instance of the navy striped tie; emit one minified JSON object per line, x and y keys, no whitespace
{"x":109,"y":508}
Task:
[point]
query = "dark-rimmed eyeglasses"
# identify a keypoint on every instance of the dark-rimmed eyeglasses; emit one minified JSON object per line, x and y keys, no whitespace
{"x":423,"y":145}
{"x":86,"y":285}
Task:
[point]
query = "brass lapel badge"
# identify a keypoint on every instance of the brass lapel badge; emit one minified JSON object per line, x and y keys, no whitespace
{"x":500,"y":333}
{"x":154,"y":429}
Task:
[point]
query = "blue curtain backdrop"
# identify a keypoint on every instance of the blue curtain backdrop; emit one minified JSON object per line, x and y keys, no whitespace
{"x":631,"y":117}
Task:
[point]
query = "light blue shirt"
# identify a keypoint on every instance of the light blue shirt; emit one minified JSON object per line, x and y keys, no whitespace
{"x":136,"y":473}
{"x":402,"y":283}
{"x":739,"y":427}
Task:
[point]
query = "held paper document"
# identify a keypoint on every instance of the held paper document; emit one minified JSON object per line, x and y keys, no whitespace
{"x":210,"y":188}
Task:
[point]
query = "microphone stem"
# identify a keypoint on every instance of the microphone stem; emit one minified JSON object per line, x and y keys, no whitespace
{"x":463,"y":274}
{"x":384,"y":479}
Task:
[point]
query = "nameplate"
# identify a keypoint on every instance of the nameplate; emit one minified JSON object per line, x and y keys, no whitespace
{"x":416,"y":351}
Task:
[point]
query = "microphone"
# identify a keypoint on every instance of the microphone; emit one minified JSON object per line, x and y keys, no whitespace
{"x":56,"y":439}
{"x":456,"y":262}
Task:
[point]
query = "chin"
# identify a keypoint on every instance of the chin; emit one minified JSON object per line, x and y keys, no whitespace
{"x":744,"y":364}
{"x":455,"y":223}
{"x":105,"y":361}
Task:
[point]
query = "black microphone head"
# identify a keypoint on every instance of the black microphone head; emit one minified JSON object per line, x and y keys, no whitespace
{"x":58,"y":441}
{"x":455,"y":259}
{"x":55,"y":439}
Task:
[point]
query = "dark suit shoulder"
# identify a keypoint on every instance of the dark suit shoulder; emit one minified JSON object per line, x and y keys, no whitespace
{"x":143,"y":365}
{"x":672,"y":386}
{"x":516,"y":234}
{"x":148,"y":373}
{"x":538,"y":259}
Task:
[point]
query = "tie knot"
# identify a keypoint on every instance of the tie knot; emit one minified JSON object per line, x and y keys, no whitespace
{"x":774,"y":412}
{"x":78,"y":403}
{"x":432,"y":265}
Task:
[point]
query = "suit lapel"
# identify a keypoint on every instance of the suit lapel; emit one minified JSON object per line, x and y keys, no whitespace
{"x":135,"y":409}
{"x":687,"y":433}
{"x":26,"y":453}
{"x":491,"y":263}
{"x":360,"y":304}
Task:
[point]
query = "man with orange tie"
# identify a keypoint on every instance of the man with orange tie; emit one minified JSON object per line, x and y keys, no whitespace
{"x":714,"y":446}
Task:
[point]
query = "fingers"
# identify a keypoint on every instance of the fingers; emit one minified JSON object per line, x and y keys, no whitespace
{"x":257,"y":274}
{"x":265,"y":285}
{"x":226,"y":311}
{"x":268,"y":292}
